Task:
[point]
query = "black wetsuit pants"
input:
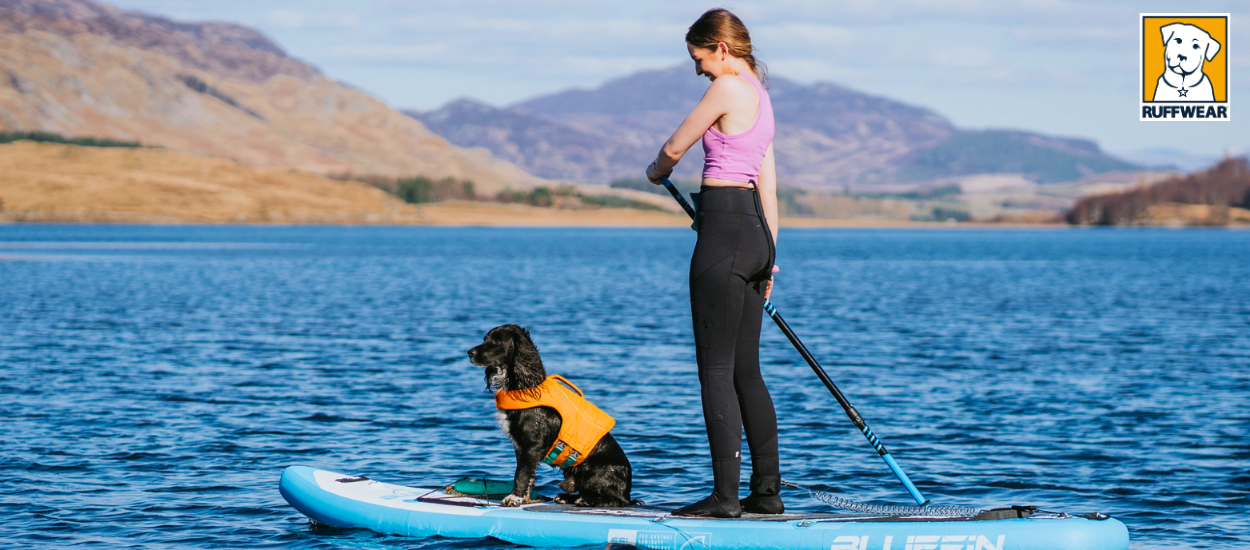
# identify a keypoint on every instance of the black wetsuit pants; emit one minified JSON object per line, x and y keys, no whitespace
{"x":728,"y":272}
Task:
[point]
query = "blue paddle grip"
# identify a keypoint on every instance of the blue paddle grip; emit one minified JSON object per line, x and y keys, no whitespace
{"x":911,"y":488}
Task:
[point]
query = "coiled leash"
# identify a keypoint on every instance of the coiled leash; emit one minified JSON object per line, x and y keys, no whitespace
{"x":833,"y":388}
{"x":888,"y":510}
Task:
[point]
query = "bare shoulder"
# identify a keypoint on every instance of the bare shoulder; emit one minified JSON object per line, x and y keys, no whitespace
{"x":729,"y":93}
{"x":731,"y":85}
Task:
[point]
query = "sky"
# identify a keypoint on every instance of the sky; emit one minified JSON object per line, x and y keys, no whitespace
{"x":1060,"y":67}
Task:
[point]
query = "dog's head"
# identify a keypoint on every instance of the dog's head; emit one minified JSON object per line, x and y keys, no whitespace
{"x":510,"y":359}
{"x":1186,"y":47}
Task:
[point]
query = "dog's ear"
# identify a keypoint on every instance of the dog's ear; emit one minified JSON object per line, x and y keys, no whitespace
{"x":1213,"y":47}
{"x":1169,"y":30}
{"x":524,"y":350}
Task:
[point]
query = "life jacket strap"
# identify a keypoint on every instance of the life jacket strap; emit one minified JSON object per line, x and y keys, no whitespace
{"x":557,"y":452}
{"x":569,"y":384}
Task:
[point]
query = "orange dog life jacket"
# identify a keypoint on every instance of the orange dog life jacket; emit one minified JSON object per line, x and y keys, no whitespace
{"x":582,"y":424}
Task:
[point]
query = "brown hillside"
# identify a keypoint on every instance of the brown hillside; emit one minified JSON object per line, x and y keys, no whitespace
{"x":68,"y":183}
{"x":75,"y":67}
{"x":45,"y":182}
{"x":1218,"y":196}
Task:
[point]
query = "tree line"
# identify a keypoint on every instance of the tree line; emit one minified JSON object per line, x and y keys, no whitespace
{"x":1225,"y":184}
{"x":49,"y":137}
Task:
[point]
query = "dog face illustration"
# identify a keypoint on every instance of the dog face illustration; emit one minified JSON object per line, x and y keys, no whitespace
{"x":1187,"y":47}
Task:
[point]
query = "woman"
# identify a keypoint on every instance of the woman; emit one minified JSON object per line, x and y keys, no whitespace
{"x":731,"y":269}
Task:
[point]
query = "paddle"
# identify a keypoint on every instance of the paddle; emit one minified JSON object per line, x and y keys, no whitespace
{"x":820,"y":372}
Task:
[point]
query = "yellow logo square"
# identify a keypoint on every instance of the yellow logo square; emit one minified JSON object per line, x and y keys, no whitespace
{"x":1184,"y":66}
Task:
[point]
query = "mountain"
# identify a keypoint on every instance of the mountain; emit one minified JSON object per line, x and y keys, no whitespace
{"x":828,"y":136}
{"x":80,"y":68}
{"x":540,"y":144}
{"x":1042,"y":159}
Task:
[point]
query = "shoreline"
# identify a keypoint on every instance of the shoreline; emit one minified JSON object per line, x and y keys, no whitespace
{"x":458,"y":213}
{"x":52,"y":183}
{"x":820,"y":224}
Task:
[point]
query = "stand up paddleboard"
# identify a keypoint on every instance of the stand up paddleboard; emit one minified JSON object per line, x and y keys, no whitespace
{"x":342,"y":500}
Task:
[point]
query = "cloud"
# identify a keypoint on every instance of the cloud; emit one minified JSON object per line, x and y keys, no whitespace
{"x":568,"y":31}
{"x":487,"y":61}
{"x":303,"y":20}
{"x":803,"y":34}
{"x":851,"y":12}
{"x":606,"y":68}
{"x":1074,"y":35}
{"x":810,"y":70}
{"x":388,"y":53}
{"x":961,"y":57}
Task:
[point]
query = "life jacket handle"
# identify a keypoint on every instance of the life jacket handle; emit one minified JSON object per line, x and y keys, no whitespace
{"x":569,"y":384}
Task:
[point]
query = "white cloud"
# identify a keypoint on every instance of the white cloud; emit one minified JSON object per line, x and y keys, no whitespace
{"x":304,"y":20}
{"x":801,"y":35}
{"x":569,"y":33}
{"x":851,"y":12}
{"x":387,"y":53}
{"x":462,"y":22}
{"x":610,"y":67}
{"x":812,"y":70}
{"x":961,"y":58}
{"x":1072,"y":35}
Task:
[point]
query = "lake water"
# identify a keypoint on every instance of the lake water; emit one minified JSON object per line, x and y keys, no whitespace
{"x":154,"y":381}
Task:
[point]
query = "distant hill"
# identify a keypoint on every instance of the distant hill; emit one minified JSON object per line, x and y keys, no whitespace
{"x":539,"y":144}
{"x":80,"y":68}
{"x":828,"y":136}
{"x":1039,"y":158}
{"x":1167,"y":158}
{"x":1217,"y":196}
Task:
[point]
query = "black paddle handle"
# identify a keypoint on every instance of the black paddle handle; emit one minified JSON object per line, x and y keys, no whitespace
{"x":672,"y":190}
{"x":820,"y":371}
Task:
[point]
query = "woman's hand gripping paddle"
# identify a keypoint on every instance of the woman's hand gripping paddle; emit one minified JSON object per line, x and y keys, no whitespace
{"x":820,"y":372}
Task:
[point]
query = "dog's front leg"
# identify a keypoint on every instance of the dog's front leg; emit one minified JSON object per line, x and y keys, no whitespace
{"x":523,"y":480}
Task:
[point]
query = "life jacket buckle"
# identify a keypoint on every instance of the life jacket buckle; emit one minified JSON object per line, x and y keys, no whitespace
{"x":555,"y":453}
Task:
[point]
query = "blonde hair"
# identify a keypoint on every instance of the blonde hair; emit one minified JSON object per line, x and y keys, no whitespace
{"x":720,"y":25}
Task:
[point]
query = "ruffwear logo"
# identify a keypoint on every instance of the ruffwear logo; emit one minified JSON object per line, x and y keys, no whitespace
{"x":1184,"y":66}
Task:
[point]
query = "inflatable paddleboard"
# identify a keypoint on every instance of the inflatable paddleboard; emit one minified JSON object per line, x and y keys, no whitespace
{"x":342,"y":500}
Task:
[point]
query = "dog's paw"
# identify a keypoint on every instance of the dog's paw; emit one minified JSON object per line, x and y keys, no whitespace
{"x":512,"y":501}
{"x":565,"y":499}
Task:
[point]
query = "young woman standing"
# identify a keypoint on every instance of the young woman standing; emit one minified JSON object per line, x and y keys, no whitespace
{"x":731,"y":269}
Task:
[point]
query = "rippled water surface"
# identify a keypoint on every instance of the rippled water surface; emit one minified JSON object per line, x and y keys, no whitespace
{"x":154,"y":381}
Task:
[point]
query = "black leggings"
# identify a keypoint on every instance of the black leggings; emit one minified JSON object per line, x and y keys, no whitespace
{"x":728,"y":272}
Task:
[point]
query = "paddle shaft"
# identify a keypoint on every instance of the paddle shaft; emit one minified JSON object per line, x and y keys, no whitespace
{"x":820,"y":373}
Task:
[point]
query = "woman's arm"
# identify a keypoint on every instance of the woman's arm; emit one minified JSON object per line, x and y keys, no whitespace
{"x":768,"y":191}
{"x":715,"y":104}
{"x":768,"y":198}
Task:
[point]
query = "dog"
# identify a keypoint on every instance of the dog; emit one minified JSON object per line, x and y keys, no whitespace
{"x":1187,"y":49}
{"x":511,"y":362}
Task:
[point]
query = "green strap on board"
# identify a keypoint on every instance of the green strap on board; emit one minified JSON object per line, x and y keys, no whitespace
{"x":488,"y":489}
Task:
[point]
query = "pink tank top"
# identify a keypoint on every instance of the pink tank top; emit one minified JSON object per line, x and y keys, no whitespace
{"x":738,"y":157}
